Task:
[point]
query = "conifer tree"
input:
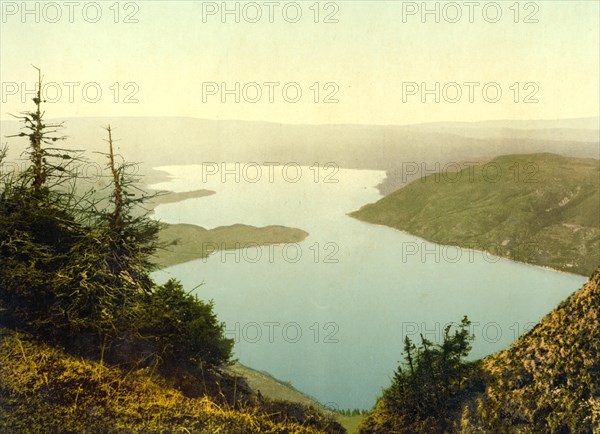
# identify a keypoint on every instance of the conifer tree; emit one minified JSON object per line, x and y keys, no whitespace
{"x":76,"y":268}
{"x":427,"y":389}
{"x":36,"y":226}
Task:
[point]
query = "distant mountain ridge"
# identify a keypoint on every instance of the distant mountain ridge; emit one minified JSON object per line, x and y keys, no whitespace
{"x":160,"y":141}
{"x":583,"y":123}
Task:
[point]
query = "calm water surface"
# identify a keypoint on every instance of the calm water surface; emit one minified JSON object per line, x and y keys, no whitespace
{"x":330,"y":314}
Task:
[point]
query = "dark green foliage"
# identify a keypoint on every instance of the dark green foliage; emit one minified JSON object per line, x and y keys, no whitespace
{"x":130,"y":236}
{"x":75,"y":268}
{"x":37,"y":229}
{"x":428,"y":390}
{"x":184,"y":329}
{"x":352,"y":412}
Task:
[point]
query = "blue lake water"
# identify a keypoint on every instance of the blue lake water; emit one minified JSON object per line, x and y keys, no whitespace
{"x":329,"y":314}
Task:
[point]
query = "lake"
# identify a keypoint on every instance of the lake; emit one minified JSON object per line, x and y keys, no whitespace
{"x":329,"y":314}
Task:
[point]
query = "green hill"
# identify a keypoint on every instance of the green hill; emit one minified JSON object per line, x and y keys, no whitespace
{"x":185,"y":242}
{"x":541,"y":209}
{"x":548,"y":381}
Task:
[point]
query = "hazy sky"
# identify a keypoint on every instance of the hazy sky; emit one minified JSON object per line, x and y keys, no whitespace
{"x":174,"y":60}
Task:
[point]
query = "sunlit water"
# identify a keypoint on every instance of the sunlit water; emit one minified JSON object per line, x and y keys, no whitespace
{"x":330,"y":314}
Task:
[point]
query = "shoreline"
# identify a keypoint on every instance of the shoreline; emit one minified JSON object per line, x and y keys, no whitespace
{"x":165,"y":197}
{"x":483,"y":252}
{"x":192,"y":241}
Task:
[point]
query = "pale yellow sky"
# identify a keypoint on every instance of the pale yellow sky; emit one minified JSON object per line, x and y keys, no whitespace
{"x":174,"y":60}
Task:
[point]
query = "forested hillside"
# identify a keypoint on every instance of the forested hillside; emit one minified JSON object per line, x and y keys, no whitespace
{"x":542,"y":209}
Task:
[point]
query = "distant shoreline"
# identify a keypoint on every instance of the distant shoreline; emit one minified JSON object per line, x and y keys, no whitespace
{"x":165,"y":197}
{"x":544,"y":267}
{"x":187,"y":242}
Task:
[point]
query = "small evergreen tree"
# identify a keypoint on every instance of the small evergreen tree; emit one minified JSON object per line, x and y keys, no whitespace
{"x":428,"y":388}
{"x":131,"y":234}
{"x":77,"y":269}
{"x":110,"y":262}
{"x":37,"y":227}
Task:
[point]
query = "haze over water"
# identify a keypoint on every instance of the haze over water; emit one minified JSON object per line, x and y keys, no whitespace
{"x":330,"y":314}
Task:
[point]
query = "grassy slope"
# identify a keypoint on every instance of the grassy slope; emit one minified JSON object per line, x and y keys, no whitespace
{"x":546,"y":214}
{"x":273,"y":388}
{"x":189,"y":242}
{"x":351,"y":423}
{"x":44,"y":390}
{"x":549,"y":380}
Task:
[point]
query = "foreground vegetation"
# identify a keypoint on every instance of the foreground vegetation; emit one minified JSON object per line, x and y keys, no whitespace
{"x":89,"y":342}
{"x":549,"y":380}
{"x":542,"y":209}
{"x":426,"y":393}
{"x":546,"y":382}
{"x":45,"y":390}
{"x":75,"y":268}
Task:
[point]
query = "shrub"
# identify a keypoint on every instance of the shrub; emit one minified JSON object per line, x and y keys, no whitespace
{"x":185,"y":330}
{"x":428,"y":390}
